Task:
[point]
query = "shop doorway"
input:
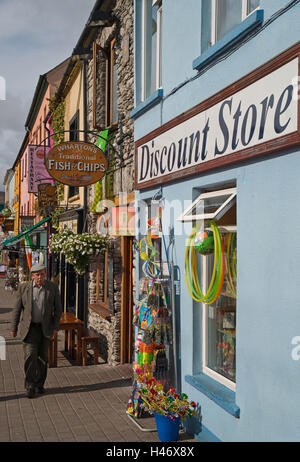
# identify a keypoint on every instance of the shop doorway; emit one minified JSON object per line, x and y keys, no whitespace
{"x":127,"y":301}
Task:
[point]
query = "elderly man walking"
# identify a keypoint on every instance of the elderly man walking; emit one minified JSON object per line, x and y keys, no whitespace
{"x":37,"y":312}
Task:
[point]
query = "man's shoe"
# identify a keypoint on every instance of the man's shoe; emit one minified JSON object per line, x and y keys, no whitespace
{"x":30,"y":392}
{"x":41,"y":390}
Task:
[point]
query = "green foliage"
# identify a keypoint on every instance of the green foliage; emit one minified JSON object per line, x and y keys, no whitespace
{"x":109,"y":177}
{"x":57,"y":107}
{"x":55,"y":214}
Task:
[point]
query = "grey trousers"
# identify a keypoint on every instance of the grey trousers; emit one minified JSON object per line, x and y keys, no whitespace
{"x":35,"y":357}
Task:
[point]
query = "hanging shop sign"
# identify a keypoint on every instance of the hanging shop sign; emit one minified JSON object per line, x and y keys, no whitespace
{"x":47,"y":198}
{"x":76,"y":163}
{"x":123,"y":221}
{"x":117,"y":221}
{"x":255,"y":116}
{"x":47,"y":195}
{"x":72,"y":225}
{"x":26,"y":222}
{"x":7,"y":225}
{"x":36,"y":167}
{"x":118,"y":216}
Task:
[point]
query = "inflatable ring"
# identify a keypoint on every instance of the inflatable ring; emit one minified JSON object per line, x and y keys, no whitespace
{"x":231,"y":262}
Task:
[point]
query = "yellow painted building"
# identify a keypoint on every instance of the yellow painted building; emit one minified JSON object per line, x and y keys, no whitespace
{"x":71,"y":91}
{"x":16,"y":201}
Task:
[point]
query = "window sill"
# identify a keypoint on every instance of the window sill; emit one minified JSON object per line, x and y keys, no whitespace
{"x":236,"y":34}
{"x":143,"y":107}
{"x":221,"y":395}
{"x":101,"y":310}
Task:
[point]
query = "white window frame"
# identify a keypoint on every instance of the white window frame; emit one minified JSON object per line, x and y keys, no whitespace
{"x":159,"y":49}
{"x":245,"y":14}
{"x":209,"y":216}
{"x":205,"y":311}
{"x":205,"y":308}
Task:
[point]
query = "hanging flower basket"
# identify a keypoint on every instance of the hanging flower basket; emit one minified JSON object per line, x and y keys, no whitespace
{"x":78,"y":248}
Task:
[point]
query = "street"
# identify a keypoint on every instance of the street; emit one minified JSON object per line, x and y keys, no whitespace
{"x":82,"y":404}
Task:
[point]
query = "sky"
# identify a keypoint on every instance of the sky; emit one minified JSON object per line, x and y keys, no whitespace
{"x":35,"y":36}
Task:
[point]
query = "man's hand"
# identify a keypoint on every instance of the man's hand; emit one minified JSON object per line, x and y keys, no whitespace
{"x":13,"y":334}
{"x":54,"y":333}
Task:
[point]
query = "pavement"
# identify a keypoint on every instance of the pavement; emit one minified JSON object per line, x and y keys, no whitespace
{"x":81,"y":404}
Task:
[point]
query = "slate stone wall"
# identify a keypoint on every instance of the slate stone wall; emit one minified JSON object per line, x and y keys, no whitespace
{"x":109,"y":330}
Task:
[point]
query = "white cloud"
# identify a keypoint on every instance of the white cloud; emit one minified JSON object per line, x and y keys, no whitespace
{"x":35,"y":36}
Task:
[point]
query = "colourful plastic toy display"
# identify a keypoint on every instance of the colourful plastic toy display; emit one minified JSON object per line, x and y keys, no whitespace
{"x":151,"y":320}
{"x":191,"y":272}
{"x":148,"y":253}
{"x":204,"y":242}
{"x":230,"y":244}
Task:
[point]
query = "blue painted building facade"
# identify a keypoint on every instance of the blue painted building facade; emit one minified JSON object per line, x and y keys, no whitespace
{"x":201,"y":61}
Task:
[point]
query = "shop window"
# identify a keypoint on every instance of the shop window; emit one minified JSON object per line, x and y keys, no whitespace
{"x":149,"y":13}
{"x":74,"y":136}
{"x":210,"y":205}
{"x":221,"y":16}
{"x":218,"y":315}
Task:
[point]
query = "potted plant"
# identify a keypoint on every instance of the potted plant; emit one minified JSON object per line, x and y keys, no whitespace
{"x":78,"y":248}
{"x":168,"y":408}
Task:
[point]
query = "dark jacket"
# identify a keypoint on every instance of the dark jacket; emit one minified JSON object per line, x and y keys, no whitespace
{"x":21,"y":315}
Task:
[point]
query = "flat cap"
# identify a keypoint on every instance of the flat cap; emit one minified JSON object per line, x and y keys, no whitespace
{"x":38,"y":267}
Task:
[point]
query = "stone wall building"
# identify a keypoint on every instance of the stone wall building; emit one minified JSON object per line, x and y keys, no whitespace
{"x":110,"y":77}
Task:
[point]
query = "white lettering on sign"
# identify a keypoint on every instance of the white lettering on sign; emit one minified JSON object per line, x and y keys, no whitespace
{"x":62,"y":166}
{"x":265,"y":110}
{"x":80,"y":166}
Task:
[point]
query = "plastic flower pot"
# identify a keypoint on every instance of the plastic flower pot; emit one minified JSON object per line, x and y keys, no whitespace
{"x":167,"y":429}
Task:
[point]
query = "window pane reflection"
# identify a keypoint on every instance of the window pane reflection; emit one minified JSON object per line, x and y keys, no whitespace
{"x":221,"y":317}
{"x":252,"y":4}
{"x":229,"y":15}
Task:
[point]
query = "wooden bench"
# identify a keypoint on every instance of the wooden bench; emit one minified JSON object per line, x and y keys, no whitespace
{"x":89,"y":338}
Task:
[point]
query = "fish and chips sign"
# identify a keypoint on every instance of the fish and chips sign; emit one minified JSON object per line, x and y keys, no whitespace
{"x":76,"y":163}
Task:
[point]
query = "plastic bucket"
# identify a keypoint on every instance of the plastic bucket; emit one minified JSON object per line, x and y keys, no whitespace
{"x":167,"y":429}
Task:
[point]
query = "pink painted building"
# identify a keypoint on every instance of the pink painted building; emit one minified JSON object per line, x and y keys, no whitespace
{"x":32,"y":170}
{"x":27,"y":213}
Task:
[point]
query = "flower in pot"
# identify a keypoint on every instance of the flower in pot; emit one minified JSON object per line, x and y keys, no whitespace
{"x":168,"y":408}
